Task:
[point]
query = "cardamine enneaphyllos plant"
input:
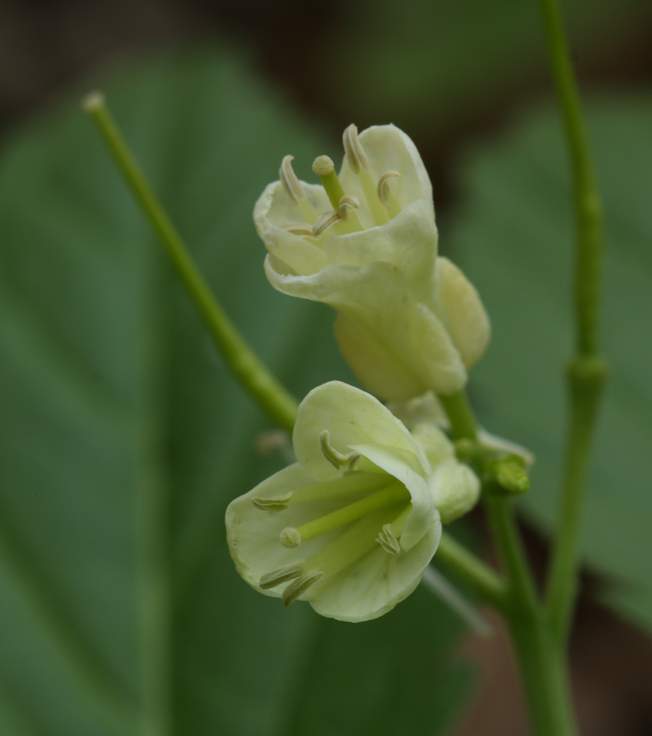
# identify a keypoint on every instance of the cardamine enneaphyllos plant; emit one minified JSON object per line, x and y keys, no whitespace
{"x":352,"y":525}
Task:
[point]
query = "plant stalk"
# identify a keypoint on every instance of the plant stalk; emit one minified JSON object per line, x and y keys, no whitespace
{"x":587,"y":371}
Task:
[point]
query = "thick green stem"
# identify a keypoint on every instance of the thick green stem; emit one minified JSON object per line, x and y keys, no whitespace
{"x":242,"y":361}
{"x":587,"y":370}
{"x":543,"y":667}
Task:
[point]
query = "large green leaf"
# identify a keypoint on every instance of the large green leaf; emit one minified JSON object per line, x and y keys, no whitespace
{"x":117,"y":417}
{"x":514,"y":236}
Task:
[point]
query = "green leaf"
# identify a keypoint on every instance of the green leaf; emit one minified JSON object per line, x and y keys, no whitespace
{"x":514,"y":236}
{"x":118,"y":419}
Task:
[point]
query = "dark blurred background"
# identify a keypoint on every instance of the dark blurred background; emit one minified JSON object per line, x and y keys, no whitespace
{"x":454,"y":75}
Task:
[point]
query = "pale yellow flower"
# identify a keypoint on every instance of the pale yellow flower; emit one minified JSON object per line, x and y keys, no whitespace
{"x":365,"y":243}
{"x":351,"y":526}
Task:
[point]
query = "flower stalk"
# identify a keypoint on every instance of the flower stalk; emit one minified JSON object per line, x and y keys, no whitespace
{"x":277,"y":403}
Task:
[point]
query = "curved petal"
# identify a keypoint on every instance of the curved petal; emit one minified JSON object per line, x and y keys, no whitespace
{"x":434,"y":442}
{"x":253,"y":534}
{"x":408,"y":241}
{"x":275,"y":212}
{"x":462,"y":311}
{"x":352,"y":417}
{"x":376,"y":583}
{"x":381,"y":321}
{"x":399,"y":465}
{"x":455,"y":489}
{"x":388,"y":148}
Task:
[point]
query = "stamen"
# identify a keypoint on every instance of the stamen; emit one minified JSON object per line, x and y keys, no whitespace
{"x":347,"y":205}
{"x":294,"y":188}
{"x":282,"y":575}
{"x":336,"y":458}
{"x":391,"y":495}
{"x":299,"y":586}
{"x":357,"y":157}
{"x":324,"y":222}
{"x":353,"y":149}
{"x":290,"y":537}
{"x":388,"y":541}
{"x":350,"y":546}
{"x":290,"y":180}
{"x":389,"y":536}
{"x":303,"y":230}
{"x":276,"y":503}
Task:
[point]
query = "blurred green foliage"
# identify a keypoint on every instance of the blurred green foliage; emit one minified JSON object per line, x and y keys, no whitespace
{"x":514,"y":237}
{"x":114,"y":405}
{"x":428,"y":66}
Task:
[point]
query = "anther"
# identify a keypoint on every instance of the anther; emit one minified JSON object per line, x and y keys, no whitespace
{"x":282,"y":575}
{"x":347,"y":203}
{"x":353,"y":149}
{"x":277,"y":503}
{"x":324,"y":222}
{"x":290,"y":537}
{"x":300,"y":585}
{"x":336,"y":458}
{"x":303,"y":230}
{"x":290,"y":180}
{"x":388,"y":541}
{"x":384,"y":190}
{"x":357,"y":158}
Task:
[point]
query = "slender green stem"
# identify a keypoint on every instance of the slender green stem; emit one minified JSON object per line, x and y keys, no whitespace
{"x":510,"y":550}
{"x":470,"y":570}
{"x":242,"y":361}
{"x":540,"y":656}
{"x":587,"y":372}
{"x":460,"y":415}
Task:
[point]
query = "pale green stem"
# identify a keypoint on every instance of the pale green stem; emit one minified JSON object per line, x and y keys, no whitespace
{"x":247,"y":368}
{"x":541,"y":660}
{"x":242,"y":361}
{"x":465,"y":566}
{"x":587,"y":371}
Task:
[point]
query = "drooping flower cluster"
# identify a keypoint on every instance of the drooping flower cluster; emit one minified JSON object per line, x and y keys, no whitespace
{"x":351,"y":526}
{"x":365,"y":243}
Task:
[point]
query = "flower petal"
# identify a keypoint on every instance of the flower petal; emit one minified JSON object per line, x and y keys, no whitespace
{"x":408,"y":241}
{"x":388,"y":148}
{"x":455,"y":489}
{"x":462,"y":311}
{"x":253,"y":534}
{"x":401,"y":466}
{"x":376,"y":583}
{"x":382,"y":330}
{"x":352,"y":417}
{"x":275,"y":212}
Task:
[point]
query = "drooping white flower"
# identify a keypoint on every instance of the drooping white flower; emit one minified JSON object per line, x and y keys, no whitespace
{"x":351,"y":526}
{"x":365,"y":243}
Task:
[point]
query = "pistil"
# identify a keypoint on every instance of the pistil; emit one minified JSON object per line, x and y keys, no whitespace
{"x":324,"y":168}
{"x":391,"y":495}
